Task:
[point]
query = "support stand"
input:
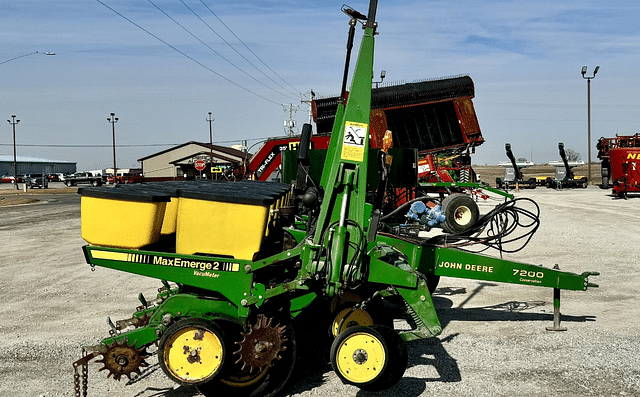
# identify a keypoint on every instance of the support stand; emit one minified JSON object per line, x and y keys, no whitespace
{"x":556,"y":312}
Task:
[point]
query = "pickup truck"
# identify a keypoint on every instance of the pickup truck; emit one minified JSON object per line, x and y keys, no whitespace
{"x":36,"y":180}
{"x":83,"y":178}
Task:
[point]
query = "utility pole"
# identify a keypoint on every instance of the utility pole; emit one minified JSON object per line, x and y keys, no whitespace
{"x":210,"y":119}
{"x":289,"y":124}
{"x":583,"y":71}
{"x":312,"y":95}
{"x":113,"y":120}
{"x":13,"y":122}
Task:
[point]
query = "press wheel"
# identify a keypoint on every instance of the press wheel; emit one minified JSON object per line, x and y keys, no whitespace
{"x":192,"y":351}
{"x":240,"y":380}
{"x":372,"y":358}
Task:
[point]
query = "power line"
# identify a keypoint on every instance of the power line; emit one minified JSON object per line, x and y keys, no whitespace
{"x":187,"y":56}
{"x":209,"y":47}
{"x":20,"y":56}
{"x":122,"y":145}
{"x":247,"y":47}
{"x":237,"y":52}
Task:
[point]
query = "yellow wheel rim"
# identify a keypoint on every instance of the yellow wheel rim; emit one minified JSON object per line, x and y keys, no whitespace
{"x":463,"y":215}
{"x":193,"y":354}
{"x":351,"y":317}
{"x":360,"y":358}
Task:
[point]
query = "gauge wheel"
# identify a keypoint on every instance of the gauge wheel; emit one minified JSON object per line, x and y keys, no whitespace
{"x":348,"y":315}
{"x":192,"y":351}
{"x":371,"y":358}
{"x":265,"y":381}
{"x":460,"y":212}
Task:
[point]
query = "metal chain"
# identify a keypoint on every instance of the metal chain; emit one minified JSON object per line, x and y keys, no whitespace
{"x":81,"y":384}
{"x":76,"y":381}
{"x":85,"y":379}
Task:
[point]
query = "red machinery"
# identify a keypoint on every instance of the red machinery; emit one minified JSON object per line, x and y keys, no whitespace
{"x":604,"y":146}
{"x":436,"y":117}
{"x":268,"y":158}
{"x":625,"y":170}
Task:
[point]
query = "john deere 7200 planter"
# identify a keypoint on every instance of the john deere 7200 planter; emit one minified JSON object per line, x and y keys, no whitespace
{"x":239,"y":262}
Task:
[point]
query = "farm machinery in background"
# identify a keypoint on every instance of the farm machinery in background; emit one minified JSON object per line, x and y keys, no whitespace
{"x":564,"y":177}
{"x":435,"y":117}
{"x":513,"y":177}
{"x":250,"y":269}
{"x":620,"y":158}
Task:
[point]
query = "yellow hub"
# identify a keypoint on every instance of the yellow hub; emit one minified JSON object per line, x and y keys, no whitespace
{"x":463,"y":215}
{"x":193,"y":354}
{"x":349,"y":317}
{"x":360,"y":358}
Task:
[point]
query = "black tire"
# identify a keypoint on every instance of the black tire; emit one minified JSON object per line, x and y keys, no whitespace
{"x":261,"y":383}
{"x":460,"y":212}
{"x":371,"y":358}
{"x":401,"y":361}
{"x":190,"y":329}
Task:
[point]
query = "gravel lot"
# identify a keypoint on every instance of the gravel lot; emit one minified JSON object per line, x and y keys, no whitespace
{"x":494,"y":341}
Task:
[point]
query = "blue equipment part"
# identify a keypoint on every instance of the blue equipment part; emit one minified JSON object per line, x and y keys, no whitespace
{"x":426,"y":216}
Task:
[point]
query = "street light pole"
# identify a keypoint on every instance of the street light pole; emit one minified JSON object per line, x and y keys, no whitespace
{"x":210,"y":119}
{"x":583,"y":72}
{"x":13,"y":122}
{"x":113,"y":120}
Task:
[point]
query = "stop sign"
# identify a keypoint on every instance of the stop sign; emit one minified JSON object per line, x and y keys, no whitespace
{"x":200,"y":165}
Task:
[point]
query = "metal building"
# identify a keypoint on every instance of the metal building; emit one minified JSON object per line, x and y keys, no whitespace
{"x":34,"y":165}
{"x":179,"y":161}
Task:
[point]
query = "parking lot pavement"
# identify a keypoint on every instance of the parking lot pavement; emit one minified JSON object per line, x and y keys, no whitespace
{"x":494,"y":341}
{"x":52,"y":185}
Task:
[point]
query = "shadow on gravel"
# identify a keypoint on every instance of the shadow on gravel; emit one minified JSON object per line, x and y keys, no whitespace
{"x":507,"y":311}
{"x":181,"y":391}
{"x":426,"y":352}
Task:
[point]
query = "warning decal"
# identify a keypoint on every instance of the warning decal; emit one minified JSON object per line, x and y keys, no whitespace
{"x":355,"y":135}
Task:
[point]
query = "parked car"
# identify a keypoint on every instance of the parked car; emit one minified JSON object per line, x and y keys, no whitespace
{"x":80,"y":178}
{"x":36,"y":180}
{"x":55,"y":177}
{"x":11,"y":179}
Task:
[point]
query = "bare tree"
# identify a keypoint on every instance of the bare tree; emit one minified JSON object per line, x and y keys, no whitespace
{"x":572,"y":155}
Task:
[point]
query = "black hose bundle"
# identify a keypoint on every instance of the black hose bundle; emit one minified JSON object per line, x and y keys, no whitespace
{"x":507,"y":223}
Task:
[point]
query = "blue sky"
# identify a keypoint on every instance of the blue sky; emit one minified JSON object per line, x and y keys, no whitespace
{"x":524,"y":57}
